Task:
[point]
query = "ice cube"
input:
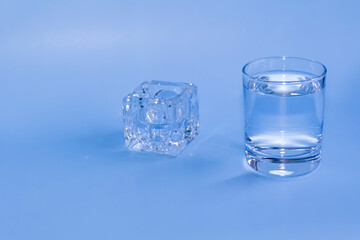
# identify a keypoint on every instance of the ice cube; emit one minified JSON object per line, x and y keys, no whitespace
{"x":161,"y":117}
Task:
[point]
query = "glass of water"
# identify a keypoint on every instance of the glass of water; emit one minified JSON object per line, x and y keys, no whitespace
{"x":284,"y":112}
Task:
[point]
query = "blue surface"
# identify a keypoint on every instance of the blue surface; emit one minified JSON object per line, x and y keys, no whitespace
{"x":66,"y":65}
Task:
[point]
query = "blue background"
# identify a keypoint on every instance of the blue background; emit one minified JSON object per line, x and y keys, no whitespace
{"x":65,"y":67}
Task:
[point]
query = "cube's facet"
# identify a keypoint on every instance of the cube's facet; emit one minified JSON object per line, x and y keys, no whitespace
{"x":161,"y":117}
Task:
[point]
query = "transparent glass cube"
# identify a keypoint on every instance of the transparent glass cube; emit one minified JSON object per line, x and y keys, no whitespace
{"x":161,"y":117}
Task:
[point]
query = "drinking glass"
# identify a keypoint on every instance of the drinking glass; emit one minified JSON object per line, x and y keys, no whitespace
{"x":284,"y":112}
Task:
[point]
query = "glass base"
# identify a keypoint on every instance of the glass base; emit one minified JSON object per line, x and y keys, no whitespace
{"x":283,"y":167}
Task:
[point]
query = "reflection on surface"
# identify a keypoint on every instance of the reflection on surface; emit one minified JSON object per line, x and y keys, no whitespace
{"x":281,"y":173}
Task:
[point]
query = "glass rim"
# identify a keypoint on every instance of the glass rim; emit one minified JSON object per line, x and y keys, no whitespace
{"x":316,"y":77}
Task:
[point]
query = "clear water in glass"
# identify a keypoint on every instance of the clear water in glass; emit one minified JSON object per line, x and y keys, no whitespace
{"x":283,"y":122}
